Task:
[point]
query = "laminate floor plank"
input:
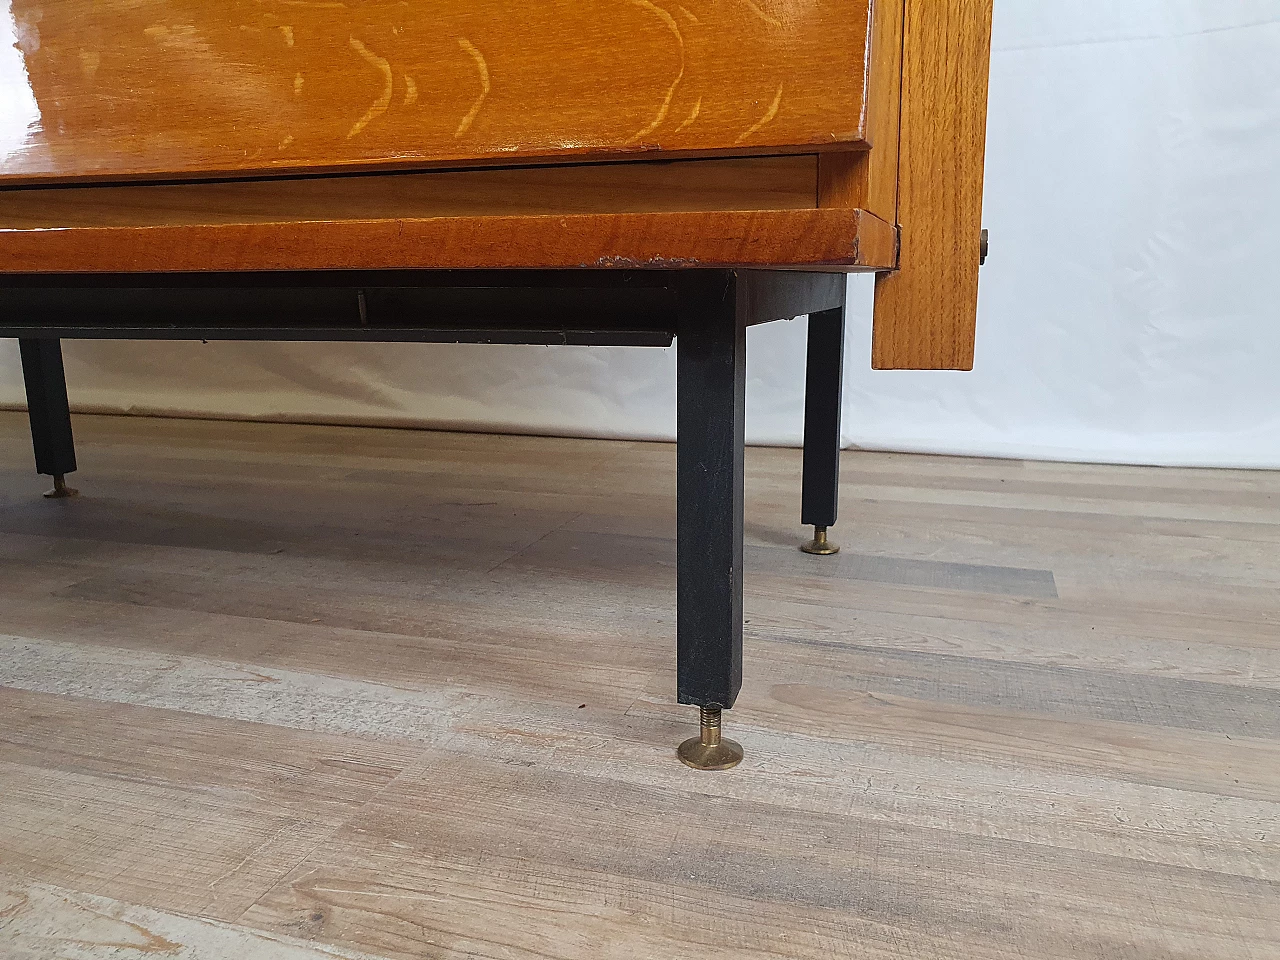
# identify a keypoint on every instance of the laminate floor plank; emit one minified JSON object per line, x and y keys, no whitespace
{"x":1098,"y":804}
{"x":169,"y":808}
{"x":307,"y":692}
{"x":39,"y":921}
{"x":799,"y":885}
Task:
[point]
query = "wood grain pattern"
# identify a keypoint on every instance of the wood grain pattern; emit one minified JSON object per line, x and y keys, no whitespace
{"x":926,"y":313}
{"x":440,"y":722}
{"x":43,"y":921}
{"x":767,"y":183}
{"x":869,"y":179}
{"x":189,"y":88}
{"x":245,"y":802}
{"x":843,"y":239}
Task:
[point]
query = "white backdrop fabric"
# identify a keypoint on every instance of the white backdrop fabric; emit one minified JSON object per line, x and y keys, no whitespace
{"x":1128,"y":312}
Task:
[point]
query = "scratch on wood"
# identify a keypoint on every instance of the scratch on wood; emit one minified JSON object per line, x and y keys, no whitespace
{"x":674,"y":27}
{"x":410,"y":91}
{"x":483,"y":67}
{"x":615,"y":261}
{"x":379,"y":106}
{"x":768,"y":116}
{"x":309,"y":887}
{"x":385,"y":896}
{"x":288,"y":825}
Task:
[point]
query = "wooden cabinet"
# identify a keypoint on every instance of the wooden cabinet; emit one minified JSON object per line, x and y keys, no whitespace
{"x":254,"y":135}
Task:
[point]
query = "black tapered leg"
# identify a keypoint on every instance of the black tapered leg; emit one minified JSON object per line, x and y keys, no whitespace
{"x":824,"y":380}
{"x":50,"y":415}
{"x":711,"y":400}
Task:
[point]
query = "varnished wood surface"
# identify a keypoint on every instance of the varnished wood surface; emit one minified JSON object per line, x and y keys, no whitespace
{"x":843,"y":239}
{"x":869,"y":179}
{"x":188,"y":88}
{"x":303,"y":692}
{"x":926,"y":313}
{"x":767,"y":183}
{"x":713,"y":213}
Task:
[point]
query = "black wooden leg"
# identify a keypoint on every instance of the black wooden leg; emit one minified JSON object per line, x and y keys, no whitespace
{"x":50,"y":415}
{"x":711,"y":396}
{"x":823,"y":384}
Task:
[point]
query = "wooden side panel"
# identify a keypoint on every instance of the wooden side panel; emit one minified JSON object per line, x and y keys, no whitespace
{"x":187,"y":88}
{"x":926,"y":313}
{"x":869,"y":179}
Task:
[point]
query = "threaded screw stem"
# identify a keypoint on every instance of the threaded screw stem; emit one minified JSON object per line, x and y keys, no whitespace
{"x":710,"y":726}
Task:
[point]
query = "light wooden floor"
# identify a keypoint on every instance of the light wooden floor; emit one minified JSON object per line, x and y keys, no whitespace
{"x":295,"y":692}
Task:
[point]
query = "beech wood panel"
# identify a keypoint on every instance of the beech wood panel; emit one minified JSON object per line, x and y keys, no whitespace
{"x":188,"y":88}
{"x":844,"y":239}
{"x":926,"y":313}
{"x":766,"y":183}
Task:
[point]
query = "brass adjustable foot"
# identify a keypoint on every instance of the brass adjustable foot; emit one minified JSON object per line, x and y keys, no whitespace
{"x":710,"y":751}
{"x":820,"y":546}
{"x":60,"y":489}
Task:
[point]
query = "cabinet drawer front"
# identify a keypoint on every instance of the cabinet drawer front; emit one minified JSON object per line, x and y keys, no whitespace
{"x":189,"y":88}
